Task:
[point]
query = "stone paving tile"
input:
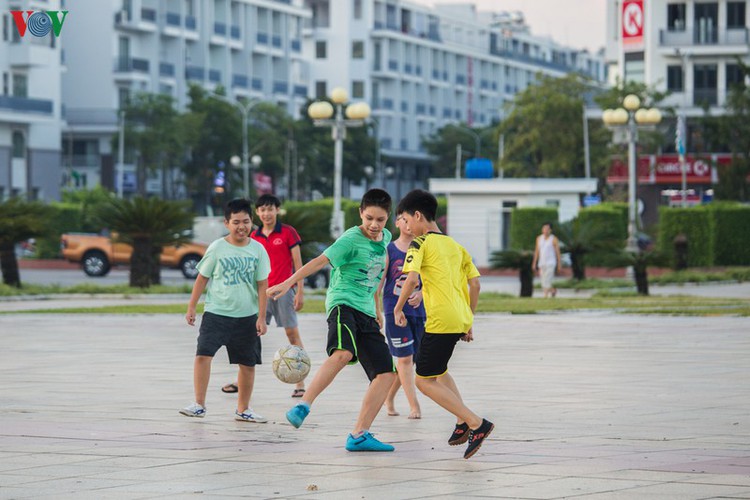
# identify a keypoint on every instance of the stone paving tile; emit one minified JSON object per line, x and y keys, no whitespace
{"x":594,"y":406}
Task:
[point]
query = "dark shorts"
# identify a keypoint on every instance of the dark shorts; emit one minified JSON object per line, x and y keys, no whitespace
{"x":403,"y":341}
{"x":239,"y":335}
{"x":354,"y":331}
{"x":434,"y":353}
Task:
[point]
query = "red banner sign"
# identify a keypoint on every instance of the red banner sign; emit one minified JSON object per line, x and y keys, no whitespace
{"x":666,"y":169}
{"x":633,"y":17}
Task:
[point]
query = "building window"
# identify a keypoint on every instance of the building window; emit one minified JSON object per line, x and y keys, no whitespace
{"x":705,"y":83}
{"x":20,"y":87}
{"x":320,"y":49}
{"x":735,"y":15}
{"x":19,"y":145}
{"x":358,"y":49}
{"x":320,"y":89}
{"x":123,"y":95}
{"x":676,"y":16}
{"x":674,"y":78}
{"x":6,"y":83}
{"x":634,"y":67}
{"x":358,"y":89}
{"x":735,"y":76}
{"x":357,"y":9}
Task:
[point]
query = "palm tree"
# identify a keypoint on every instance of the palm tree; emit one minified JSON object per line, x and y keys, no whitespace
{"x":148,"y":224}
{"x":516,"y":259}
{"x":579,"y":238}
{"x":19,"y":221}
{"x":639,"y":261}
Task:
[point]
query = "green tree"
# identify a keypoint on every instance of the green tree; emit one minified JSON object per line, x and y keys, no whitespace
{"x":516,"y":259}
{"x":148,"y":224}
{"x":442,"y":146}
{"x":154,"y":129}
{"x":733,"y":180}
{"x":544,"y":131}
{"x":19,"y":221}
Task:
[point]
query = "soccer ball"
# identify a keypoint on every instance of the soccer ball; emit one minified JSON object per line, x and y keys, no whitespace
{"x":291,"y":364}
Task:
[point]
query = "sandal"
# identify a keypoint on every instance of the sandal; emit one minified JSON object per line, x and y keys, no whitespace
{"x":230,"y":388}
{"x":298,"y":393}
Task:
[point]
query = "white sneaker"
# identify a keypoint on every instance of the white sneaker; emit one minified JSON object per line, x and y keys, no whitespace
{"x":250,"y":416}
{"x":194,"y":410}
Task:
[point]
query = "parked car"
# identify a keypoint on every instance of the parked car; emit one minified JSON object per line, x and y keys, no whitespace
{"x":97,"y":254}
{"x":322,"y":278}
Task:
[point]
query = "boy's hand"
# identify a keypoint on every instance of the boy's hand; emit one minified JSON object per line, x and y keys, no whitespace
{"x":277,"y":291}
{"x":379,"y":319}
{"x":468,"y":336}
{"x":299,"y":299}
{"x":190,"y":316}
{"x":398,"y":316}
{"x":260,"y":326}
{"x":415,"y":299}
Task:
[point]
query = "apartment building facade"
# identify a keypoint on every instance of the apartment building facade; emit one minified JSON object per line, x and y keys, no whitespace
{"x":691,"y":50}
{"x":252,"y":48}
{"x":30,"y":104}
{"x":422,"y":67}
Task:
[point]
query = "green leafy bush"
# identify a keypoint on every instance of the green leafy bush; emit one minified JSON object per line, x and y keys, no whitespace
{"x":731,"y":233}
{"x":696,"y":224}
{"x":526,"y":225}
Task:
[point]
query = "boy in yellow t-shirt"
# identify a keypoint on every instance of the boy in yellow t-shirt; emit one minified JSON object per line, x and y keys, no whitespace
{"x":450,"y":290}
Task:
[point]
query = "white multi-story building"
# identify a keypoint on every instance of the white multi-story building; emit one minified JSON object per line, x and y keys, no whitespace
{"x":423,"y":67}
{"x":252,"y":48}
{"x":30,"y":106}
{"x":689,"y":48}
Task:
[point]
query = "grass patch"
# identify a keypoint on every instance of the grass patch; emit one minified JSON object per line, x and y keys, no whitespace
{"x":735,"y":274}
{"x":89,"y":288}
{"x":499,"y":303}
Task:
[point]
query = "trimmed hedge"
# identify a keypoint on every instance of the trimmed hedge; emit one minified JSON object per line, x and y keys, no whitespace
{"x":731,"y":233}
{"x":696,"y":224}
{"x":610,"y":225}
{"x":526,"y":224}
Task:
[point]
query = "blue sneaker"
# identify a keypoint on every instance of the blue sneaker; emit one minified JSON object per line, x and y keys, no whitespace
{"x":366,"y":442}
{"x":298,"y":414}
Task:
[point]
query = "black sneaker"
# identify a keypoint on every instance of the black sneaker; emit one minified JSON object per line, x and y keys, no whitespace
{"x":460,"y":434}
{"x":477,"y":437}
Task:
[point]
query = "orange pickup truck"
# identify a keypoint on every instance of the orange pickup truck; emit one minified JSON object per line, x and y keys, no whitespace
{"x":98,"y":253}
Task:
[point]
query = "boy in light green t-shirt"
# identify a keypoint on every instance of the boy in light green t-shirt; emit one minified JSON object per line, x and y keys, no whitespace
{"x":235,"y":312}
{"x":354,"y":317}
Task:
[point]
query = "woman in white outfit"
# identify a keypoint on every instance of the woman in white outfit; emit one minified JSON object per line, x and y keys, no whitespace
{"x":547,"y":258}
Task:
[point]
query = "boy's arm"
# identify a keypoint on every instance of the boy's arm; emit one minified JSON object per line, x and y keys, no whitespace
{"x":379,"y":294}
{"x":198,"y":287}
{"x":412,"y":280}
{"x":299,"y":298}
{"x":260,"y":325}
{"x":311,"y":267}
{"x":474,"y":293}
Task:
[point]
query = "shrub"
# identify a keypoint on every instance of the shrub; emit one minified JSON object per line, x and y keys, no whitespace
{"x":696,"y":225}
{"x":607,"y":226}
{"x":526,"y":225}
{"x":731,"y":233}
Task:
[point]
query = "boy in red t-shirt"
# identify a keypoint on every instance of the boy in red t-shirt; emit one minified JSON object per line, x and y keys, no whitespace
{"x":282,"y":243}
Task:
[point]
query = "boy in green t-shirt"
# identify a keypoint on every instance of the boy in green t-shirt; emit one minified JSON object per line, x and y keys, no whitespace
{"x":235,"y":312}
{"x":354,"y":316}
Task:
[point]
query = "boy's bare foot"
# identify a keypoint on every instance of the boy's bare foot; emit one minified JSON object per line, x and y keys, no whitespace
{"x":415,"y":415}
{"x":391,"y":408}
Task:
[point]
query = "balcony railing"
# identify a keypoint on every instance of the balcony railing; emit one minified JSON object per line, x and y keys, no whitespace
{"x":532,"y":60}
{"x":734,"y":36}
{"x":128,"y":64}
{"x":240,"y":81}
{"x":25,"y":104}
{"x":166,"y":69}
{"x":705,"y":97}
{"x":195,"y":73}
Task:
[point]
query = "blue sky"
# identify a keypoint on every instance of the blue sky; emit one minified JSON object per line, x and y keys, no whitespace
{"x":579,"y":23}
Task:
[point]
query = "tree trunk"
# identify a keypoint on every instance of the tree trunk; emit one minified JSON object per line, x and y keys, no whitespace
{"x":640,"y":271}
{"x":577,"y":266}
{"x":141,"y":263}
{"x":9,"y":265}
{"x":156,"y":265}
{"x":526,"y":275}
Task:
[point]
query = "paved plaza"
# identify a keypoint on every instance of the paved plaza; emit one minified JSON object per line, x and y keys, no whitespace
{"x":591,"y":406}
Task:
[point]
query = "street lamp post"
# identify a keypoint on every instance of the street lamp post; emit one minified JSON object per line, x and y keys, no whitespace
{"x":630,"y":116}
{"x":477,"y":139}
{"x":244,"y":108}
{"x":321,"y":113}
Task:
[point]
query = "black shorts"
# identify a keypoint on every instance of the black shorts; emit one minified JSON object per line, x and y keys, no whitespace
{"x":239,"y":335}
{"x":434,"y":353}
{"x":354,"y":331}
